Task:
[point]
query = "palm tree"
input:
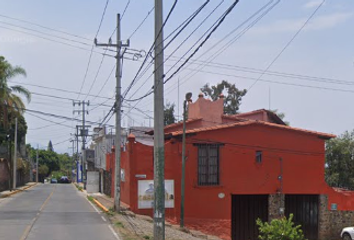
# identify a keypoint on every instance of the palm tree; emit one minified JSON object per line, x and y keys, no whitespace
{"x":10,"y":103}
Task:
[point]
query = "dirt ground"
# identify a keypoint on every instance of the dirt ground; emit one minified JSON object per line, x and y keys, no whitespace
{"x":138,"y":227}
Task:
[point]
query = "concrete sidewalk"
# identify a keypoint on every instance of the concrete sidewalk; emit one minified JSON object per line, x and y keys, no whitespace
{"x":8,"y":193}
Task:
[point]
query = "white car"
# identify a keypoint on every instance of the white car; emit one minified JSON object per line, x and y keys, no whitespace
{"x":347,"y":233}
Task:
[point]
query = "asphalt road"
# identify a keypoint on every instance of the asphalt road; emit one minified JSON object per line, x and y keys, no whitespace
{"x":52,"y":212}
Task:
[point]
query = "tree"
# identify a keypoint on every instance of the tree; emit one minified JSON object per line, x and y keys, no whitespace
{"x":339,"y":161}
{"x":280,"y":229}
{"x":169,"y":116}
{"x":11,"y":105}
{"x":233,"y":95}
{"x":281,"y":115}
{"x":50,"y":146}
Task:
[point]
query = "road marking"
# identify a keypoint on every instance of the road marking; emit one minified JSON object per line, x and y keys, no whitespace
{"x":103,"y":218}
{"x":114,"y":233}
{"x":29,"y":227}
{"x":98,"y":211}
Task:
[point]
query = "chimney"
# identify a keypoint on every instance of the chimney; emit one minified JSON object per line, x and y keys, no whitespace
{"x":206,"y":109}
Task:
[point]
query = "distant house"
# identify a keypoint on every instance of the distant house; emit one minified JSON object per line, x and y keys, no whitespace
{"x":238,"y":168}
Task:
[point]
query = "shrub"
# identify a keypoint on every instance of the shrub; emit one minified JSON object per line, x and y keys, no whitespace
{"x":280,"y":229}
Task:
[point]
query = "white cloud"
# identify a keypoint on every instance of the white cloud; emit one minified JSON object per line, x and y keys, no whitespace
{"x":291,"y":25}
{"x":312,"y":4}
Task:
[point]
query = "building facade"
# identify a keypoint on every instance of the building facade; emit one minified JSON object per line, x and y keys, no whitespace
{"x":239,"y":168}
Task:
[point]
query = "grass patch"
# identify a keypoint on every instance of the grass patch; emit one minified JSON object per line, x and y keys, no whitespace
{"x":90,"y":198}
{"x":119,"y":224}
{"x":147,"y":237}
{"x":79,"y":188}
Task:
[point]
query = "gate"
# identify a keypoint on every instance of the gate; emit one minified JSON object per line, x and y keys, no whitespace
{"x":246,"y":209}
{"x":305,"y":210}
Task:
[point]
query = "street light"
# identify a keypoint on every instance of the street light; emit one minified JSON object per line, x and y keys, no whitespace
{"x":188,"y":99}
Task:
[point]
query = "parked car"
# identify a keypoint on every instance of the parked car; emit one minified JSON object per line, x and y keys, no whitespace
{"x":347,"y":233}
{"x":53,"y":180}
{"x":64,"y":179}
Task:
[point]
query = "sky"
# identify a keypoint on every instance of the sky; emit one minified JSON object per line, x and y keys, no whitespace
{"x":287,"y":60}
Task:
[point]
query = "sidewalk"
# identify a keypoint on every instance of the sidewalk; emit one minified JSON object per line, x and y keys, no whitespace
{"x":8,"y":193}
{"x":135,"y":227}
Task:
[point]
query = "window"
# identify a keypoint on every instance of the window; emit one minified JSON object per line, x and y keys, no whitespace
{"x":208,"y":164}
{"x":258,"y":156}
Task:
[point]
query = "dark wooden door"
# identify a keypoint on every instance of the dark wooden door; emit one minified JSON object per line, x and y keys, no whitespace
{"x":246,"y":209}
{"x":305,"y":210}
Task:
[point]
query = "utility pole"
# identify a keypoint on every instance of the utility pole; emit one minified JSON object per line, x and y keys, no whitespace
{"x":159,"y":149}
{"x":15,"y":158}
{"x":118,"y":106}
{"x":37,"y":165}
{"x":83,"y":134}
{"x":186,"y":101}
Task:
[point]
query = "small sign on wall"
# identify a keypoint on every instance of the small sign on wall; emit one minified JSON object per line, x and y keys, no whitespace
{"x":146,"y":194}
{"x":334,"y":206}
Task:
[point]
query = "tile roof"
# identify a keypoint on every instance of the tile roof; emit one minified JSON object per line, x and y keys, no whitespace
{"x":251,"y":122}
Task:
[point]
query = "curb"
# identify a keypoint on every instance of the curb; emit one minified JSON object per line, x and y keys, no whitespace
{"x":18,"y":190}
{"x":100,"y":205}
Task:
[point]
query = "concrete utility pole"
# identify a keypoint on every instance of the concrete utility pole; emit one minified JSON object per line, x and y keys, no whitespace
{"x":15,"y":158}
{"x":83,"y":134}
{"x":37,"y":165}
{"x":159,"y":149}
{"x":188,"y":99}
{"x":118,"y":107}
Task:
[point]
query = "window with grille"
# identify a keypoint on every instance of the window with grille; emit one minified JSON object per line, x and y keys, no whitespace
{"x":208,"y":165}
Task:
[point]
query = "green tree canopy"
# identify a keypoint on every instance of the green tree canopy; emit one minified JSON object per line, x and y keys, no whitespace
{"x":340,"y":161}
{"x":169,"y":117}
{"x":50,"y":146}
{"x":11,"y":105}
{"x":233,"y":95}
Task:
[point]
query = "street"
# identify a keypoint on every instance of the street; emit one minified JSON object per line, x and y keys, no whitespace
{"x":51,"y":211}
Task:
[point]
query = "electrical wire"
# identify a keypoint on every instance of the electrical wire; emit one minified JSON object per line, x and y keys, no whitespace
{"x":287,"y":44}
{"x":228,"y":11}
{"x":45,"y":27}
{"x":142,"y":22}
{"x":55,"y":41}
{"x":47,"y":34}
{"x":182,"y":26}
{"x":93,"y":45}
{"x":233,"y":40}
{"x":150,"y":50}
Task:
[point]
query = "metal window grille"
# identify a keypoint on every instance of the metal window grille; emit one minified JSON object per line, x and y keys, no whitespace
{"x":208,"y":165}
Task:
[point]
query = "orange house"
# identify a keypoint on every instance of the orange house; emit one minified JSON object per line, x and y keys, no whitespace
{"x":239,"y":168}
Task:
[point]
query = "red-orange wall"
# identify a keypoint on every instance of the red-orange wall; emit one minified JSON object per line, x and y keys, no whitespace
{"x":302,"y":165}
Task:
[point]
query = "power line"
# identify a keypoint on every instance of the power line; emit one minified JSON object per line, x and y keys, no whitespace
{"x":182,"y":26}
{"x":150,"y":50}
{"x":93,"y":45}
{"x":45,"y":27}
{"x":228,"y":11}
{"x":142,"y":22}
{"x":44,"y":119}
{"x":287,"y":45}
{"x":56,"y":41}
{"x":233,"y":40}
{"x":125,"y":9}
{"x":47,"y":34}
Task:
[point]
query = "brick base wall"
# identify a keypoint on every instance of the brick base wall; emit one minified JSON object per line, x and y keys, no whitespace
{"x":275,"y":202}
{"x":332,"y":222}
